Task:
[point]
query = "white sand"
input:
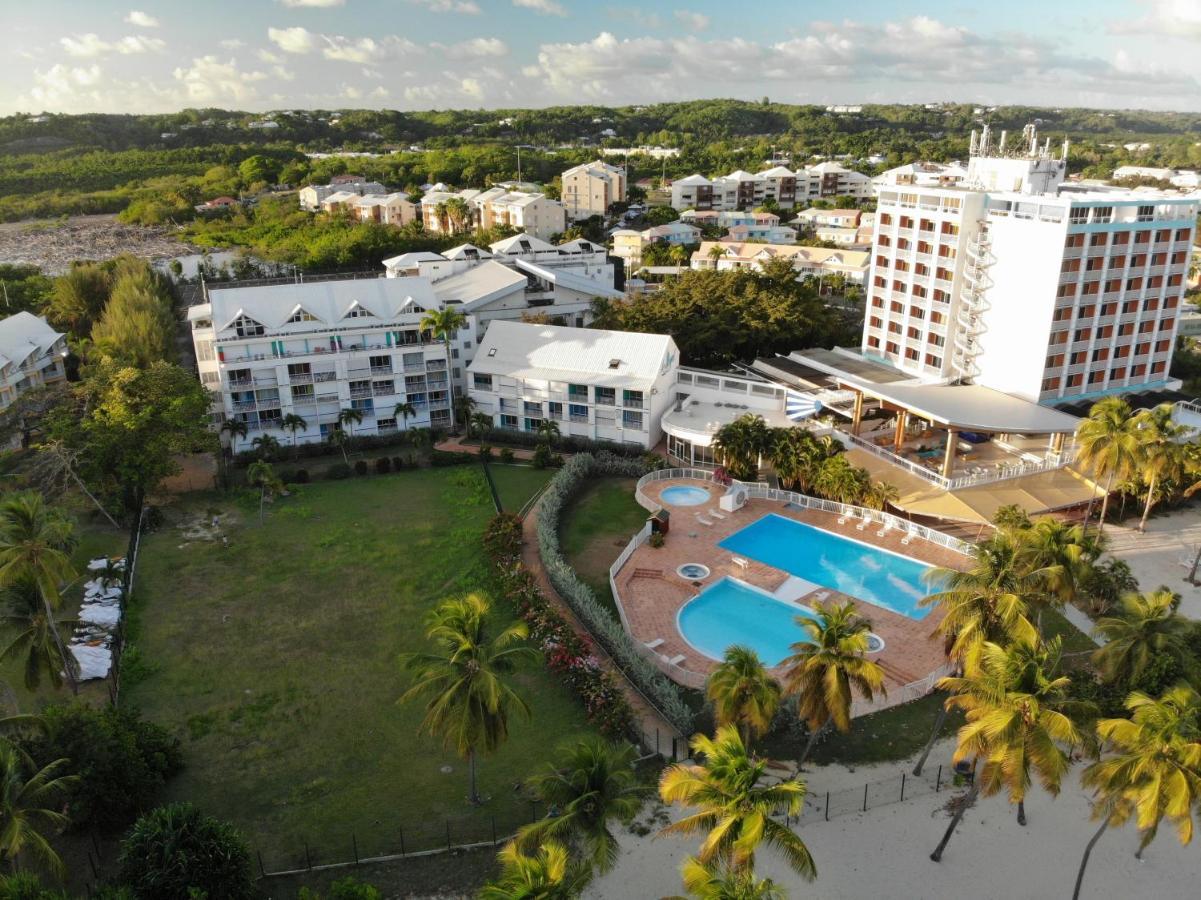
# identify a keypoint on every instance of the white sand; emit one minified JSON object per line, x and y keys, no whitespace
{"x":885,"y":852}
{"x":1156,"y":556}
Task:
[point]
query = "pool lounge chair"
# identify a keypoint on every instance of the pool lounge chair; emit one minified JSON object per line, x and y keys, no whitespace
{"x":676,"y":660}
{"x":703,"y":520}
{"x":864,"y":522}
{"x":907,"y":539}
{"x":842,"y":520}
{"x":652,"y":645}
{"x":883,"y":531}
{"x":740,"y":562}
{"x":716,"y":514}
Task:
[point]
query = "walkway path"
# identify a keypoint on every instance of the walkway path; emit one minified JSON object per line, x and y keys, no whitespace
{"x":1163,"y":554}
{"x":649,"y":721}
{"x":459,"y":444}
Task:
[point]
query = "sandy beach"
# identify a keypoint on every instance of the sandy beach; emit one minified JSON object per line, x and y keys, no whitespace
{"x":884,"y":853}
{"x":1158,"y":557}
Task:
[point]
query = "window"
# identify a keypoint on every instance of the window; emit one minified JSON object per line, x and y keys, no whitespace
{"x":247,"y":327}
{"x":631,"y":419}
{"x":1097,"y":240}
{"x":481,"y":381}
{"x":204,"y":351}
{"x":605,"y":396}
{"x":577,"y":392}
{"x":302,"y":315}
{"x":533,"y":409}
{"x":357,"y":312}
{"x":507,"y":421}
{"x":383,"y":388}
{"x":380,"y":363}
{"x":632,"y":399}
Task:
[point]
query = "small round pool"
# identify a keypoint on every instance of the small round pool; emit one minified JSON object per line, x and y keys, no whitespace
{"x":875,"y":643}
{"x":684,"y":495}
{"x":693,"y":571}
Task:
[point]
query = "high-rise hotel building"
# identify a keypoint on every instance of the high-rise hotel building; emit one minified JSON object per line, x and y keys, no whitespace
{"x":1017,"y":281}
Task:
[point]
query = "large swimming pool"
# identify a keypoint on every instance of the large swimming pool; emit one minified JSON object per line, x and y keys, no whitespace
{"x":860,"y":570}
{"x":730,"y":612}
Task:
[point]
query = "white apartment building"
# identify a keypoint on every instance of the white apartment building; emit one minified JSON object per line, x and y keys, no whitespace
{"x":817,"y":262}
{"x":742,"y":190}
{"x":922,"y":174}
{"x":1017,"y":283}
{"x":531,"y":212}
{"x":590,"y":189}
{"x":312,"y":195}
{"x":31,"y":355}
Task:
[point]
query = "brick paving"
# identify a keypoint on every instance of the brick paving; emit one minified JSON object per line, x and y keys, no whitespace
{"x":652,"y":593}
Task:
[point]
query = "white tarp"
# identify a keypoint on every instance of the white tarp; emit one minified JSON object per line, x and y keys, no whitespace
{"x":94,"y":662}
{"x":100,"y":614}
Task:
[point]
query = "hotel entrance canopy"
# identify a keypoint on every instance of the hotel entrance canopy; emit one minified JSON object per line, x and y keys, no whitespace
{"x":968,"y":407}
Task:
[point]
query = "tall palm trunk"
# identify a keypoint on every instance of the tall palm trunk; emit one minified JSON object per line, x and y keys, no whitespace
{"x":1022,"y":812}
{"x":1105,"y":504}
{"x":813,"y":736}
{"x":968,"y":800}
{"x":262,"y":500}
{"x":938,"y":723}
{"x":1192,"y":573}
{"x":68,"y":660}
{"x":450,"y":387}
{"x":1142,"y":525}
{"x":1088,"y":852}
{"x":474,"y":797}
{"x":83,"y":487}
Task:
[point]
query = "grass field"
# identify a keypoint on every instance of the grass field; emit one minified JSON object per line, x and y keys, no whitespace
{"x":597,"y":526}
{"x":274,"y":658}
{"x":517,"y":484}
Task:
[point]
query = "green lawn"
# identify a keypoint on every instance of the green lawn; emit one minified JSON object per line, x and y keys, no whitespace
{"x":596,"y":528}
{"x":274,"y":658}
{"x":517,"y":484}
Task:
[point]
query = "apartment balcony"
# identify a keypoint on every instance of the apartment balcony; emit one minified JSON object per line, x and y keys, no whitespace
{"x":578,"y":420}
{"x":360,"y":394}
{"x":304,"y":403}
{"x":381,"y":370}
{"x":243,"y":405}
{"x":606,"y":401}
{"x":634,"y":404}
{"x":269,"y":404}
{"x":300,"y":379}
{"x":241,"y":382}
{"x":321,"y":377}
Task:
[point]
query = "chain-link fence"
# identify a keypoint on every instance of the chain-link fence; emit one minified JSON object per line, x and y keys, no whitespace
{"x":823,"y":806}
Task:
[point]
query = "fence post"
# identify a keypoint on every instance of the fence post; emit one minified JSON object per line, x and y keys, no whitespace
{"x":865,"y":797}
{"x":902,"y":787}
{"x":827,"y":806}
{"x":308,"y":860}
{"x":493,"y":830}
{"x":938,"y":780}
{"x":262,"y":868}
{"x":355,"y":846}
{"x":402,"y":840}
{"x":448,"y":834}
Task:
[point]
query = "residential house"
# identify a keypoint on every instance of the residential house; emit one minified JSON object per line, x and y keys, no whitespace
{"x":533,"y":213}
{"x":312,"y":195}
{"x":389,"y":209}
{"x":31,"y":355}
{"x":922,"y":174}
{"x":780,"y":185}
{"x":808,"y":261}
{"x":590,"y":189}
{"x":839,"y":218}
{"x":436,"y":217}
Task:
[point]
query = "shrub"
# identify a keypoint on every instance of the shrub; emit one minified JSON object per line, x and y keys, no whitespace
{"x":506,"y":455}
{"x":485,"y":452}
{"x":360,"y":467}
{"x":542,"y":456}
{"x":398,"y":463}
{"x":176,"y":851}
{"x":302,"y":476}
{"x":26,"y":886}
{"x":439,"y":458}
{"x":657,"y":540}
{"x":338,"y":471}
{"x":556,"y":461}
{"x":383,"y":465}
{"x":122,"y":761}
{"x":348,"y":888}
{"x":315,"y":449}
{"x":566,"y":443}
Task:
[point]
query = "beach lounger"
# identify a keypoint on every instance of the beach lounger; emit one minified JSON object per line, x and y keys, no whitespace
{"x":703,"y":520}
{"x":657,"y":642}
{"x":842,"y":520}
{"x":864,"y":522}
{"x":740,"y":562}
{"x":716,"y":514}
{"x":821,"y":595}
{"x":676,"y":660}
{"x":883,"y":531}
{"x":905,"y":541}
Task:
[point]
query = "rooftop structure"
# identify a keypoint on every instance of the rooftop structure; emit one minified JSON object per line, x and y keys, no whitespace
{"x":808,"y":261}
{"x":31,"y":355}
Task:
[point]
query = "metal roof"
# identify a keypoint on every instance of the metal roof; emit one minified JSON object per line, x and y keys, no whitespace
{"x":970,"y":407}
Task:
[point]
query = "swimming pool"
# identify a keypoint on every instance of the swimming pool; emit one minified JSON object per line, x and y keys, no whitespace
{"x":684,"y":495}
{"x":730,"y":612}
{"x":860,"y":570}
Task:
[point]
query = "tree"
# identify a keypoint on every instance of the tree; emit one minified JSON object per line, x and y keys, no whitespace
{"x":548,"y":431}
{"x":837,"y":479}
{"x":1153,"y":771}
{"x":58,"y":464}
{"x":718,"y":882}
{"x":1108,"y":444}
{"x":458,"y":213}
{"x":137,"y":327}
{"x":678,"y":254}
{"x":881,"y":494}
{"x":1148,"y":627}
{"x":404,"y":411}
{"x":263,"y":476}
{"x":825,"y":670}
{"x":590,"y":784}
{"x":350,"y":417}
{"x":734,"y":809}
{"x":79,"y":297}
{"x":479,"y":424}
{"x":743,"y":694}
{"x":547,"y":875}
{"x":177,"y":851}
{"x":1055,"y":557}
{"x":267,"y":446}
{"x":468,"y":701}
{"x":35,"y":636}
{"x":1160,"y":453}
{"x":1017,"y":718}
{"x":29,"y":805}
{"x":340,"y":439}
{"x":716,"y":252}
{"x":294,"y":423}
{"x":443,"y":324}
{"x":742,"y":444}
{"x":235,"y":428}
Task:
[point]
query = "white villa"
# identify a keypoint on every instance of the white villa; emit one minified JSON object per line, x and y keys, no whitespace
{"x":31,"y":355}
{"x":816,"y":261}
{"x":528,"y":211}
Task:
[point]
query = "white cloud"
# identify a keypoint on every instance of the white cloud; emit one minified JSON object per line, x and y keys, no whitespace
{"x":366,"y":50}
{"x":293,"y":40}
{"x":90,"y":45}
{"x":628,"y":15}
{"x":472,"y":88}
{"x":463,"y":7}
{"x":209,"y":81}
{"x":544,"y":7}
{"x":1167,"y":18}
{"x":232,"y":43}
{"x":350,"y":92}
{"x":477,"y":48}
{"x":321,"y":4}
{"x":141,"y":19}
{"x":268,"y":56}
{"x":693,"y":21}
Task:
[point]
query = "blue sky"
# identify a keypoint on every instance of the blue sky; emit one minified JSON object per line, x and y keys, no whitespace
{"x":163,"y":55}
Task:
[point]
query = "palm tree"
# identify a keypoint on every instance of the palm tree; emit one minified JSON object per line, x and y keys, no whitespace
{"x":1148,"y":627}
{"x":734,"y":809}
{"x":479,"y":424}
{"x":403,"y":411}
{"x":29,"y":806}
{"x":678,"y":255}
{"x":1154,"y":771}
{"x":1161,"y":455}
{"x":235,"y":428}
{"x":787,"y":452}
{"x":837,"y":479}
{"x":440,"y":210}
{"x":742,"y":444}
{"x":261,"y":474}
{"x":442,"y":324}
{"x":267,"y":445}
{"x":881,"y":494}
{"x":339,"y":438}
{"x":467,"y":700}
{"x":294,"y":423}
{"x":825,"y":670}
{"x":458,"y":212}
{"x":1017,"y":718}
{"x":590,"y":784}
{"x":36,"y":638}
{"x":350,"y":417}
{"x":718,"y":882}
{"x":1055,"y":556}
{"x":547,"y":875}
{"x":715,"y":253}
{"x":1108,"y":445}
{"x":548,"y":431}
{"x":743,"y":694}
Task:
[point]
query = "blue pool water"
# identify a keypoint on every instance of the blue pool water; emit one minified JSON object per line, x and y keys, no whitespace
{"x":859,"y":570}
{"x":729,"y":612}
{"x":684,"y":495}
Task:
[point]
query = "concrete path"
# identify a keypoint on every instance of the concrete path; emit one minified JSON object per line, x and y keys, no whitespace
{"x":1163,"y":554}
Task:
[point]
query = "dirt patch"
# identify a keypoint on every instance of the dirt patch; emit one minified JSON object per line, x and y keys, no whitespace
{"x":53,"y":244}
{"x":206,"y":527}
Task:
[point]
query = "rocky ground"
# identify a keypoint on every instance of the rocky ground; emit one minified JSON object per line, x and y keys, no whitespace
{"x":54,"y":244}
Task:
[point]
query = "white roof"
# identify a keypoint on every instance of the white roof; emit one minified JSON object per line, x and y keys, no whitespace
{"x":327,"y":301}
{"x":522,"y":243}
{"x":741,"y":175}
{"x":408,"y":260}
{"x":580,"y":245}
{"x":691,"y":180}
{"x":555,"y":353}
{"x":479,"y":284}
{"x":596,"y":164}
{"x":23,"y":334}
{"x":570,"y":280}
{"x":776,"y":172}
{"x":466,"y":251}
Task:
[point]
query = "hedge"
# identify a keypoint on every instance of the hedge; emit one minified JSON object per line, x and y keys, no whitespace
{"x":564,"y":444}
{"x":658,"y":688}
{"x":312,"y":449}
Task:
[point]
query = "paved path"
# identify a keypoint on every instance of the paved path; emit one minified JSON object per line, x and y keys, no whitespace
{"x":457,"y":444}
{"x":1162,"y":555}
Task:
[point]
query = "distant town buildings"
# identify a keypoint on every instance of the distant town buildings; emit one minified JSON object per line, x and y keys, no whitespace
{"x":922,"y":174}
{"x":590,"y":189}
{"x":808,"y":261}
{"x":784,"y":187}
{"x":31,"y":355}
{"x":1185,"y":179}
{"x":312,"y":195}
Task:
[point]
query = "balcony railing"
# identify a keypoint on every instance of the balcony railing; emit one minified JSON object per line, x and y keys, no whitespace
{"x":579,"y":420}
{"x":606,"y":401}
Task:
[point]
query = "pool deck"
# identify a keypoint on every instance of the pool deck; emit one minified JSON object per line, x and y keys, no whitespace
{"x":652,"y":593}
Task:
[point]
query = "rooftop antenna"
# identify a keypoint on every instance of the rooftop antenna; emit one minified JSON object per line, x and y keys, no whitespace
{"x":985,"y":139}
{"x":1066,"y":144}
{"x":1001,"y":145}
{"x":974,"y":145}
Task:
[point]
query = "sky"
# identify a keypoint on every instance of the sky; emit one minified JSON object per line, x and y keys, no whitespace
{"x":165,"y":55}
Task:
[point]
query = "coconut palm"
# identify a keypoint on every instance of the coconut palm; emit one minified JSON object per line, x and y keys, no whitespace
{"x":718,"y":882}
{"x":837,"y":479}
{"x":479,"y":424}
{"x":1108,"y":445}
{"x":548,"y":431}
{"x":267,"y":446}
{"x":1154,"y":770}
{"x":825,"y":670}
{"x":743,"y":694}
{"x":263,"y":476}
{"x":294,"y":423}
{"x":36,"y":638}
{"x":404,"y":411}
{"x":349,"y":418}
{"x":547,"y":875}
{"x":458,"y":213}
{"x":442,"y":324}
{"x":1055,"y":557}
{"x":742,"y":443}
{"x":235,"y":428}
{"x":1017,"y":719}
{"x":1161,"y":455}
{"x":1147,"y":627}
{"x":590,"y":783}
{"x":787,"y":451}
{"x":30,"y":804}
{"x":340,"y":439}
{"x":880,"y":494}
{"x":715,"y":253}
{"x":734,"y":809}
{"x":468,"y":701}
{"x":35,"y":545}
{"x":678,"y":254}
